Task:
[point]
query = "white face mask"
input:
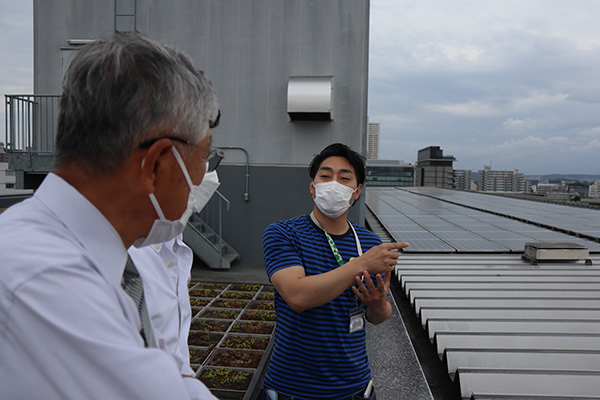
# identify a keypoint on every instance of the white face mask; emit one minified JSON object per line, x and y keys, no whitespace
{"x":164,"y":230}
{"x":333,"y":198}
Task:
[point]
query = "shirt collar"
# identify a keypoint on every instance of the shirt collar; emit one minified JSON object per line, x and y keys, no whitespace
{"x":172,"y":244}
{"x":87,"y":224}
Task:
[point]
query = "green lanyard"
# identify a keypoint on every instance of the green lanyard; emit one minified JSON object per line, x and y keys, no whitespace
{"x":334,"y":249}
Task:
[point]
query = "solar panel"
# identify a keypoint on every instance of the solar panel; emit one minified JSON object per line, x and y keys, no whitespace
{"x":575,"y":219}
{"x":442,"y":220}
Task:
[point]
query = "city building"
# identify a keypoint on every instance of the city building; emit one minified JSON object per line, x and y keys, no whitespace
{"x":546,"y":188}
{"x":578,"y":189}
{"x":373,"y":141}
{"x":391,"y":173}
{"x":7,"y":177}
{"x":462,"y":179}
{"x":594,"y":190}
{"x":489,"y":180}
{"x":433,"y":168}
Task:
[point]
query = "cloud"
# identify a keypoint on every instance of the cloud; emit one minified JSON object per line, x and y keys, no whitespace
{"x":515,"y":126}
{"x":470,"y":109}
{"x":511,"y":81}
{"x":538,"y":100}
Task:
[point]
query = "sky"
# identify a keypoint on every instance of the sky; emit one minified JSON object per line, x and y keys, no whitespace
{"x":514,"y":84}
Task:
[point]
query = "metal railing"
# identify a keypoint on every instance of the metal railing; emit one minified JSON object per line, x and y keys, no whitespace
{"x":31,"y":123}
{"x":212,"y":215}
{"x":125,"y":16}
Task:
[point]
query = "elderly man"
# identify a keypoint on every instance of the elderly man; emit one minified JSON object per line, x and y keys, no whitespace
{"x":165,"y":269}
{"x":132,"y":145}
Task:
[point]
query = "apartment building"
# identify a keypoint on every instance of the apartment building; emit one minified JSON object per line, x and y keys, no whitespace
{"x":462,"y":179}
{"x":489,"y":180}
{"x":373,"y":141}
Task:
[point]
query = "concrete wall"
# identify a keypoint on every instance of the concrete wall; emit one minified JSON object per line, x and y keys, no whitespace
{"x":274,"y":194}
{"x":249,"y":49}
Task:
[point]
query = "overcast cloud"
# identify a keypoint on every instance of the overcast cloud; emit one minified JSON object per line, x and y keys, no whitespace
{"x":515,"y":83}
{"x":511,"y":83}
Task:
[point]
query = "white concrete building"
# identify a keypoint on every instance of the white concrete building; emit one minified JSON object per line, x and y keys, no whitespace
{"x":373,"y":141}
{"x":594,"y":190}
{"x":462,"y":179}
{"x":7,"y":177}
{"x":502,"y":181}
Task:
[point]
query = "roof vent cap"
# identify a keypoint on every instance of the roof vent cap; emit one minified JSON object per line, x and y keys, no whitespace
{"x":546,"y":251}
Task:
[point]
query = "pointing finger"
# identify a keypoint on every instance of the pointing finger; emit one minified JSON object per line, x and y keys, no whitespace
{"x":396,"y":245}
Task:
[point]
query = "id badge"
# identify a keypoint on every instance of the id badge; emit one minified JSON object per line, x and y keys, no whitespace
{"x":357,"y":320}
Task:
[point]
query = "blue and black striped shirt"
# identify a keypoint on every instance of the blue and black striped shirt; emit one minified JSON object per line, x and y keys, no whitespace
{"x":314,"y":355}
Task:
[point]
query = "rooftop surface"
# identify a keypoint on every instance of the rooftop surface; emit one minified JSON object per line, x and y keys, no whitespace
{"x":396,"y":369}
{"x":472,"y":318}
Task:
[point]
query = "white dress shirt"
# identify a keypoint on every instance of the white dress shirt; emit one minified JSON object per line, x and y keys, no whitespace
{"x":67,"y":328}
{"x":165,"y":270}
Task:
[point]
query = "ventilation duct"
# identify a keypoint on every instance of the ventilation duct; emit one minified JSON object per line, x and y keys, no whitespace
{"x":310,"y":98}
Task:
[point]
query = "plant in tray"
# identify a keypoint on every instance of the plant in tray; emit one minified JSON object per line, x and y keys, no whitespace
{"x":229,"y":303}
{"x":236,"y":295}
{"x":204,"y":339}
{"x":236,"y":358}
{"x":209,"y":285}
{"x":261,"y":305}
{"x":196,"y":310}
{"x":245,"y":342}
{"x":265,"y":296}
{"x":204,"y":292}
{"x":198,"y":355}
{"x":197,"y":302}
{"x":256,"y":327}
{"x":245,"y":287}
{"x":209,"y":325}
{"x":225,"y":378}
{"x":259,"y":315}
{"x":220,"y":313}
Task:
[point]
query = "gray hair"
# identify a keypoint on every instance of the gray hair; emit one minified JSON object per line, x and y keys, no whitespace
{"x":124,"y":90}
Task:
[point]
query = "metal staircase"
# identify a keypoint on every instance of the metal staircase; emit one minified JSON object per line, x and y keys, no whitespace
{"x":203,"y":235}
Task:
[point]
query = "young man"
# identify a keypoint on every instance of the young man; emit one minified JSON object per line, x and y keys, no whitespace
{"x":328,"y":275}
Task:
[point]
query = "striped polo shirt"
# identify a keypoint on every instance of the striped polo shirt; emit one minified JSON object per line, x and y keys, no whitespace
{"x":314,"y":356}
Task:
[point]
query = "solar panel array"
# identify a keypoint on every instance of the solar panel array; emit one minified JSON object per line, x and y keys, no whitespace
{"x":577,"y":220}
{"x":507,"y":329}
{"x":441,"y":220}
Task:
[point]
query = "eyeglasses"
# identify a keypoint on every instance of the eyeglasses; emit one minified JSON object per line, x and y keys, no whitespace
{"x":150,"y":142}
{"x":215,"y":123}
{"x":214,"y":159}
{"x":215,"y":156}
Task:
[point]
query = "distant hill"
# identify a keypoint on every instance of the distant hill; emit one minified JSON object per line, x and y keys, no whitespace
{"x":556,"y":177}
{"x":564,"y":177}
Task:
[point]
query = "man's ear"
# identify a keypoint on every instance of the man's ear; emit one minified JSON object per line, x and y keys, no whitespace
{"x":311,"y":188}
{"x":157,"y":156}
{"x":356,"y":194}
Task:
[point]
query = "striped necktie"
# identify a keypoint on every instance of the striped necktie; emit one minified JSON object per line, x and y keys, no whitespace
{"x":132,"y":284}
